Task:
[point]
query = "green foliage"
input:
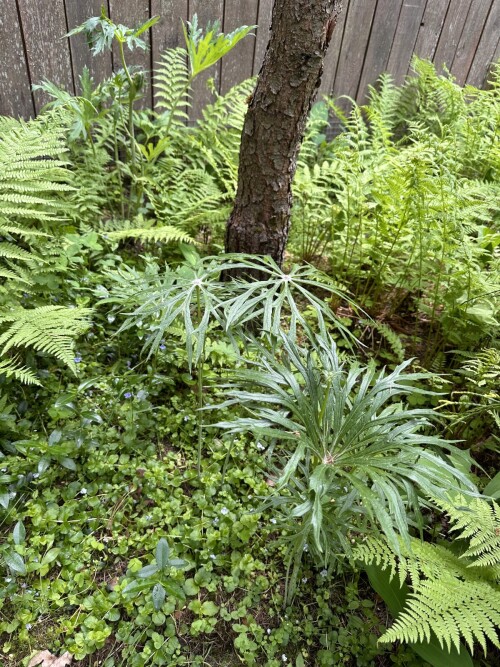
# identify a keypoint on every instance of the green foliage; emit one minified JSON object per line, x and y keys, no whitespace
{"x":48,"y":329}
{"x":355,"y":459}
{"x":205,"y":49}
{"x":451,"y":598}
{"x":403,"y":205}
{"x":100,"y":32}
{"x":314,"y":457}
{"x":34,"y":184}
{"x":479,"y":522}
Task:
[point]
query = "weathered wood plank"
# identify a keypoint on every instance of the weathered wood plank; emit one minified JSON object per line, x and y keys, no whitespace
{"x":44,"y":26}
{"x":333,"y":54}
{"x":451,"y":33}
{"x":488,"y":48}
{"x":238,"y":64}
{"x":357,"y":28}
{"x":405,"y":38}
{"x":430,"y":28}
{"x":469,"y":40}
{"x":262,"y":35}
{"x":132,"y":14}
{"x":78,"y":11}
{"x":15,"y":87}
{"x":167,"y":33}
{"x":207,"y":10}
{"x":377,"y":55}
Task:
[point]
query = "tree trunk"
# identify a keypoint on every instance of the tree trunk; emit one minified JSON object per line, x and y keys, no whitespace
{"x":275,"y":122}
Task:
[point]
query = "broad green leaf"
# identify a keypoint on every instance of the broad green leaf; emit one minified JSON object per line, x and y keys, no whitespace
{"x":174,"y":589}
{"x":147,"y":571}
{"x":159,"y":595}
{"x":50,"y":556}
{"x":15,"y":562}
{"x":136,"y":587}
{"x":162,"y":554}
{"x":19,"y":533}
{"x":209,"y":608}
{"x":492,"y":489}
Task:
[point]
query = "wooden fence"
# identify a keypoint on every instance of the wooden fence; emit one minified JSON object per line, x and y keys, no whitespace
{"x":372,"y":36}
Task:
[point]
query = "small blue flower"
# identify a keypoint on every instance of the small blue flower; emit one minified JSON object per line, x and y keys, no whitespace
{"x":77,"y":359}
{"x":128,"y":394}
{"x":83,"y":491}
{"x":273,"y":520}
{"x":28,"y":626}
{"x":224,"y":511}
{"x":324,"y":573}
{"x":163,"y":347}
{"x":213,"y":556}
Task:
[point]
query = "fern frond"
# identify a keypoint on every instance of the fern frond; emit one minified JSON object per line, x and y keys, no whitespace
{"x":477,"y":520}
{"x":50,"y":329}
{"x":12,"y":368}
{"x":449,"y":598}
{"x":165,"y":234}
{"x":451,"y":609}
{"x":172,"y":87}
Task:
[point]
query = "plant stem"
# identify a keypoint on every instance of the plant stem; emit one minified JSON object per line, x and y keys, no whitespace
{"x":200,"y":386}
{"x":130,"y":107}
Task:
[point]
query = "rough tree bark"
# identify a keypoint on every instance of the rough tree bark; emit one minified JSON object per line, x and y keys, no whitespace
{"x":275,"y":122}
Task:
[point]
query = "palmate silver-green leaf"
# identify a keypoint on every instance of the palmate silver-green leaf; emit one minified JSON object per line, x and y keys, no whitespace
{"x":195,"y":295}
{"x":277,"y":296}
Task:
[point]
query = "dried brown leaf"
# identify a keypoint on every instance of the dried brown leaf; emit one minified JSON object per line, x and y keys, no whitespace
{"x":47,"y":659}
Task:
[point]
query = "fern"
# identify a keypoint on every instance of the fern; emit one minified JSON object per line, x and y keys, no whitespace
{"x":478,"y":521}
{"x":166,"y":234}
{"x":35,"y":183}
{"x":453,"y":596}
{"x":172,"y":83}
{"x":48,"y":329}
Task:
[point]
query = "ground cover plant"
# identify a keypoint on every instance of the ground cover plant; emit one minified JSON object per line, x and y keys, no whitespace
{"x":300,"y":469}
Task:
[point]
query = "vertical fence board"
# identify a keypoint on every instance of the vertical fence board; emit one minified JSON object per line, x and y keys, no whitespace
{"x":357,"y":28}
{"x":333,"y":54}
{"x":384,"y":27}
{"x":15,"y":89}
{"x":44,"y":27}
{"x":469,"y":40}
{"x":371,"y":36}
{"x":207,"y":10}
{"x":262,"y":36}
{"x":451,"y":33}
{"x":238,"y":65}
{"x":405,"y":37}
{"x":430,"y":28}
{"x":78,"y":11}
{"x":167,"y":33}
{"x":485,"y":53}
{"x":132,"y":14}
